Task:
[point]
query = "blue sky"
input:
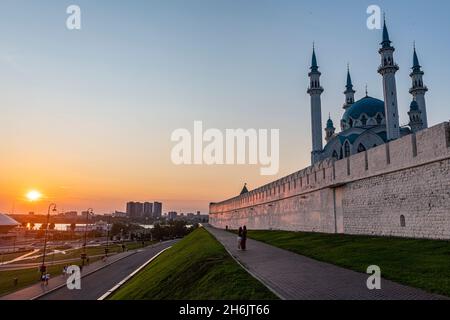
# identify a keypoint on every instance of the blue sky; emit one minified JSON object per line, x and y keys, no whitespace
{"x":112,"y":93}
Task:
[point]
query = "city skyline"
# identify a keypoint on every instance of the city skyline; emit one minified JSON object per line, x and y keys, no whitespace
{"x":87,"y":123}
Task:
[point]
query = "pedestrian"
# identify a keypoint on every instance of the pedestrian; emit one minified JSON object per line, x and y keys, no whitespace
{"x":87,"y":260}
{"x":47,"y":278}
{"x":43,"y":280}
{"x":64,"y":271}
{"x":244,"y":238}
{"x":239,"y":238}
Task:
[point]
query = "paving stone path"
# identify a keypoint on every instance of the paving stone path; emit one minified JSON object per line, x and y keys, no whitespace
{"x":295,"y":277}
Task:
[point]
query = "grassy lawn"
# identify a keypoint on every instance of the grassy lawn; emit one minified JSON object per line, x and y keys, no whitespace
{"x":91,"y":251}
{"x":10,"y":256}
{"x":26,"y":278}
{"x":419,"y":263}
{"x":196,"y":268}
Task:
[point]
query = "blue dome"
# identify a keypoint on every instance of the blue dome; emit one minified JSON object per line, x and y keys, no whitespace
{"x":368,"y":105}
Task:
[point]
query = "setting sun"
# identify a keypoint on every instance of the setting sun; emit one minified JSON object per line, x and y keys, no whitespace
{"x":33,"y":195}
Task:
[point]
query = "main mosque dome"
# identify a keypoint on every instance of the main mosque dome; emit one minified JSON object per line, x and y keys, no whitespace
{"x":366,"y":112}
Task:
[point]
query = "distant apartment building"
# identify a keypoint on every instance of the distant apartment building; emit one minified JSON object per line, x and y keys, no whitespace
{"x":70,"y":214}
{"x":135,"y":209}
{"x":148,"y":209}
{"x":192,"y":217}
{"x":157,"y":210}
{"x":119,"y":214}
{"x":86,"y":214}
{"x":172,"y":215}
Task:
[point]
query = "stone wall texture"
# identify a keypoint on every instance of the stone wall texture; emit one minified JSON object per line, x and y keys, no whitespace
{"x":398,"y":189}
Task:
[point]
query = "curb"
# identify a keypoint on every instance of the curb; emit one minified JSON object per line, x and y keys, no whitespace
{"x":130,"y":276}
{"x":248,"y":271}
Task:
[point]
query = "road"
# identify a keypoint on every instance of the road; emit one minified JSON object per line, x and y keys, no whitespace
{"x":93,"y":286}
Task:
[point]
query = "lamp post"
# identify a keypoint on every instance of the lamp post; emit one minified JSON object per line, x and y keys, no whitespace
{"x":84,"y":254}
{"x":107,"y":237}
{"x":51,"y":207}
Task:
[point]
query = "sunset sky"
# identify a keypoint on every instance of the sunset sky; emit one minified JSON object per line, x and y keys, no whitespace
{"x":86,"y":116}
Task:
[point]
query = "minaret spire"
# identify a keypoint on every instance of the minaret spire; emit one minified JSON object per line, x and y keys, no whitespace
{"x":388,"y":69}
{"x":314,"y":66}
{"x":315,"y":90}
{"x":418,"y":91}
{"x":386,"y":41}
{"x":349,"y":92}
{"x":416,"y":64}
{"x":349,"y":78}
{"x":329,"y":129}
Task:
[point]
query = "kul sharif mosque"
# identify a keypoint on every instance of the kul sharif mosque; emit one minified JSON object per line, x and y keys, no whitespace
{"x":368,"y":122}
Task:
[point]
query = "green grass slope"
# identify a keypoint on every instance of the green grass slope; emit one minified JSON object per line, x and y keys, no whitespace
{"x":196,"y":268}
{"x":419,"y":263}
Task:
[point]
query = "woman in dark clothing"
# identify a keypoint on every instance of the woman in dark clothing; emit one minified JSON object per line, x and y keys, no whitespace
{"x":244,"y":238}
{"x":240,"y":238}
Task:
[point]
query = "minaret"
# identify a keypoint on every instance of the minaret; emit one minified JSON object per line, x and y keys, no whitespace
{"x":349,"y":92}
{"x":418,"y":90}
{"x":415,"y":117}
{"x":388,"y":70}
{"x":329,"y":130}
{"x":315,"y":91}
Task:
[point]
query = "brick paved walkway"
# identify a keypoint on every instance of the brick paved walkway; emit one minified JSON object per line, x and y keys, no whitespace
{"x":295,"y":277}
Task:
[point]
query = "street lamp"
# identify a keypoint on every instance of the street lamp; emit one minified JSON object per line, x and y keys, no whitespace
{"x":107,"y":237}
{"x":51,"y":207}
{"x":84,"y":254}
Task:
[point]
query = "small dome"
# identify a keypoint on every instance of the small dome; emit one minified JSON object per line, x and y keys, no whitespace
{"x":414,"y":106}
{"x":367,"y":105}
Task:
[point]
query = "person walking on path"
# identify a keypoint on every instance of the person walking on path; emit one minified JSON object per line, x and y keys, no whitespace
{"x":244,"y":238}
{"x":239,"y":239}
{"x":43,"y":276}
{"x":47,"y":278}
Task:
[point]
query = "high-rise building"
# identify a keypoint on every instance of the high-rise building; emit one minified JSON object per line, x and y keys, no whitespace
{"x":157,"y":210}
{"x":130,"y":208}
{"x":139,"y":209}
{"x":135,"y":209}
{"x":148,"y":209}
